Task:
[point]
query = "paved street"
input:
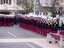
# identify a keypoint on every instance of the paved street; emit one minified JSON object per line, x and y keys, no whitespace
{"x":19,"y":45}
{"x":17,"y":32}
{"x":16,"y":37}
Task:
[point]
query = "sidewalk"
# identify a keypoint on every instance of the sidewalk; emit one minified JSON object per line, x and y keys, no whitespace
{"x":38,"y":41}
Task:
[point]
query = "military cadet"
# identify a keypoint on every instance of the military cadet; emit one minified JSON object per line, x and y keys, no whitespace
{"x":0,"y":19}
{"x":44,"y":24}
{"x":62,"y":26}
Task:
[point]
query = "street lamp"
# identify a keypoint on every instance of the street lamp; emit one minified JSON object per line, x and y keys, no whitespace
{"x":14,"y":4}
{"x":36,"y":6}
{"x":15,"y":8}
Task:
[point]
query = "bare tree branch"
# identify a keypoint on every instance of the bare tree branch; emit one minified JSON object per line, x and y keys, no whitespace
{"x":28,"y":5}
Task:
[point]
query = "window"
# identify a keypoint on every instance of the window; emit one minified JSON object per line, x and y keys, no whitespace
{"x":45,"y":13}
{"x":4,"y":12}
{"x":1,"y":1}
{"x":5,"y":1}
{"x":9,"y":1}
{"x":57,"y":3}
{"x":18,"y":2}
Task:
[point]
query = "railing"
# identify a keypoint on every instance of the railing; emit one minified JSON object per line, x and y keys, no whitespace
{"x":56,"y":38}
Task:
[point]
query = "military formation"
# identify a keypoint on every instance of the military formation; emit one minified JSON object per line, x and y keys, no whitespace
{"x":51,"y":25}
{"x":37,"y":24}
{"x":6,"y":21}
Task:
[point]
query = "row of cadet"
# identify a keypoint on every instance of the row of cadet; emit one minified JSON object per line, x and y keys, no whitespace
{"x":36,"y":21}
{"x":42,"y":24}
{"x":6,"y":21}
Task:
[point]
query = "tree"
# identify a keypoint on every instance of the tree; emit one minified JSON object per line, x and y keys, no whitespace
{"x":28,"y":5}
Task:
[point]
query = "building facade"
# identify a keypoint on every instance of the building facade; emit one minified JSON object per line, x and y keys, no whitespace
{"x":42,"y":6}
{"x":61,"y":4}
{"x":45,"y":6}
{"x":10,"y":6}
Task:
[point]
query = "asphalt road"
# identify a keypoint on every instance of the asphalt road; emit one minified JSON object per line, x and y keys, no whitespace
{"x":16,"y":37}
{"x":17,"y":32}
{"x":19,"y":45}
